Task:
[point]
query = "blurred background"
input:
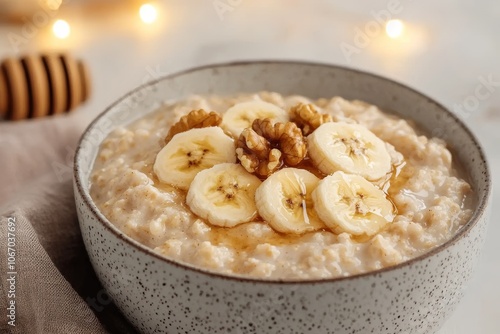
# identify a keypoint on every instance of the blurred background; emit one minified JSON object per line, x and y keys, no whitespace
{"x":446,"y":49}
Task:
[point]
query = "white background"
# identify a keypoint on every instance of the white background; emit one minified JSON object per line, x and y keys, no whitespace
{"x":446,"y":47}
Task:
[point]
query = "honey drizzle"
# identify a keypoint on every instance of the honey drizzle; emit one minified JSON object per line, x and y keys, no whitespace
{"x":236,"y":238}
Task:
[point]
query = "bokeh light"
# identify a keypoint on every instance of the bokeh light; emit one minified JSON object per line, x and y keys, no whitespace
{"x":61,"y":29}
{"x":394,"y":28}
{"x":148,"y":13}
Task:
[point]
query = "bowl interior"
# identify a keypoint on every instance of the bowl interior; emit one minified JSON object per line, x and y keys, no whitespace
{"x":312,"y":80}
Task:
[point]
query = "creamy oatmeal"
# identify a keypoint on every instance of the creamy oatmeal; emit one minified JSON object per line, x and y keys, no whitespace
{"x":280,"y":187}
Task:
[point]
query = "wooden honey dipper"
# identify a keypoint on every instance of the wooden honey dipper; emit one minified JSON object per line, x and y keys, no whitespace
{"x":40,"y":85}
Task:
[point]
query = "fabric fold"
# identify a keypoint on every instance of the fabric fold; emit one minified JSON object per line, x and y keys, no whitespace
{"x":52,"y":283}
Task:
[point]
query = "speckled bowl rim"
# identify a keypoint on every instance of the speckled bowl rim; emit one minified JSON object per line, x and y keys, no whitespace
{"x":84,"y":193}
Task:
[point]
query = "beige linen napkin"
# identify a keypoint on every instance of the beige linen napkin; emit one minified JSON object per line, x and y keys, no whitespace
{"x":44,"y":268}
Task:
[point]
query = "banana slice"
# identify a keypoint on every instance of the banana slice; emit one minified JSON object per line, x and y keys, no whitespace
{"x":351,"y":148}
{"x":190,"y":152}
{"x":224,"y":195}
{"x":284,"y":201}
{"x":241,"y":115}
{"x":349,"y":203}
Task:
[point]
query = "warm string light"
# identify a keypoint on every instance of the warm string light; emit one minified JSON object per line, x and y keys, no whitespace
{"x":400,"y":40}
{"x":394,"y":28}
{"x":61,"y":29}
{"x":148,"y":13}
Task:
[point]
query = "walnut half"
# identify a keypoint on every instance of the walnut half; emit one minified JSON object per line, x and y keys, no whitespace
{"x":264,"y":148}
{"x":256,"y":155}
{"x":195,"y":119}
{"x":308,"y":118}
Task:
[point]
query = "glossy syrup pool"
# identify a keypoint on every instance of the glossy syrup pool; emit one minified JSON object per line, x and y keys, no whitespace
{"x":237,"y":238}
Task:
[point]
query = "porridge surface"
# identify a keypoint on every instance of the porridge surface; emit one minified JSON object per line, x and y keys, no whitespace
{"x":426,"y":190}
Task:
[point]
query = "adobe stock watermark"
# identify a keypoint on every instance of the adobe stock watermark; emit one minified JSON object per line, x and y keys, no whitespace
{"x":64,"y":169}
{"x":485,"y":88}
{"x":363,"y":36}
{"x":32,"y":25}
{"x":11,"y":270}
{"x":483,"y":91}
{"x":102,"y":299}
{"x":222,"y":7}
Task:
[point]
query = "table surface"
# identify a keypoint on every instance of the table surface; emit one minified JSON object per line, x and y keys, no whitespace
{"x":448,"y":48}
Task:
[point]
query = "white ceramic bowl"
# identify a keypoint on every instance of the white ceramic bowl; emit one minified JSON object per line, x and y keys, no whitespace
{"x":159,"y":295}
